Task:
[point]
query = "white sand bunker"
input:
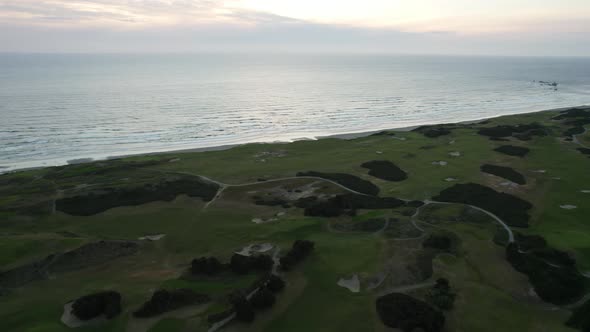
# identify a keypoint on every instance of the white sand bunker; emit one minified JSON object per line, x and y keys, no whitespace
{"x":353,"y":284}
{"x":540,"y":171}
{"x":72,"y":321}
{"x":399,"y":138}
{"x":175,"y":160}
{"x":568,"y":207}
{"x":450,"y":179}
{"x":455,"y":154}
{"x":585,"y":191}
{"x":440,"y":163}
{"x":253,"y":249}
{"x":156,"y":237}
{"x":509,"y":184}
{"x":379,"y":152}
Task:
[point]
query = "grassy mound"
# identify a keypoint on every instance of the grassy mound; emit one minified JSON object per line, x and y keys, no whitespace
{"x":504,"y":172}
{"x":94,"y":202}
{"x":511,"y":209}
{"x":408,"y":314}
{"x":385,"y":170}
{"x":512,"y":150}
{"x":349,"y":181}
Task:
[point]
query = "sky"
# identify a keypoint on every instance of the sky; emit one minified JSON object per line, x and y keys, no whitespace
{"x":463,"y":27}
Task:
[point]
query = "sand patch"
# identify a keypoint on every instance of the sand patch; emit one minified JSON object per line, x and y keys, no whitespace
{"x":254,"y":249}
{"x":455,"y":154}
{"x":353,"y":284}
{"x":72,"y":321}
{"x":568,"y":207}
{"x":156,"y":237}
{"x":440,"y":163}
{"x":450,"y":179}
{"x":585,"y":191}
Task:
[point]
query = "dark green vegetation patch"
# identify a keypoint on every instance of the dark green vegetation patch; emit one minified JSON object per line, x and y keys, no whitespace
{"x":349,"y":181}
{"x":167,"y":300}
{"x":346,"y":204}
{"x":94,"y":202}
{"x":584,"y":150}
{"x":511,"y":150}
{"x":580,"y":318}
{"x":94,"y":305}
{"x":385,"y":170}
{"x":552,"y":273}
{"x":87,"y":255}
{"x":504,"y":172}
{"x":523,"y":132}
{"x":511,"y":209}
{"x":408,"y":314}
{"x":433,"y":131}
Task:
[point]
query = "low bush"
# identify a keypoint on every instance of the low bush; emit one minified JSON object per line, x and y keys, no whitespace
{"x":385,"y":170}
{"x":347,"y":180}
{"x":98,"y":304}
{"x":580,"y":318}
{"x":206,"y":265}
{"x":504,"y":172}
{"x":299,"y":251}
{"x":408,"y":314}
{"x":167,"y":300}
{"x":511,"y":209}
{"x":441,"y":295}
{"x":512,"y":150}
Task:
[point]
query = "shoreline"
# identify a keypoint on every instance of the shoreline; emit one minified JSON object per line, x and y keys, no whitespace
{"x":343,"y":136}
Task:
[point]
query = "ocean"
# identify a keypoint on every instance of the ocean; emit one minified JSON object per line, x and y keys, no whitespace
{"x":56,"y":108}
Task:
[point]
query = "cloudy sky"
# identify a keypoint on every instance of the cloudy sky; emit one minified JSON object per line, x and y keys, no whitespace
{"x":493,"y":27}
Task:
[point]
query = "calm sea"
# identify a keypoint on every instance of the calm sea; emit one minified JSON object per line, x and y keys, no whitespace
{"x":55,"y":108}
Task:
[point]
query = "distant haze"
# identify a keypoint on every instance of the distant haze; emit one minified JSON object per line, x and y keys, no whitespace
{"x":465,"y":27}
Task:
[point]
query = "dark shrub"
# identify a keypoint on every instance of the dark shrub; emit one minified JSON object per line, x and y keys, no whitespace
{"x":167,"y":300}
{"x":441,"y":295}
{"x":574,"y":131}
{"x":240,"y":264}
{"x":554,"y":284}
{"x":275,"y":284}
{"x":522,"y":131}
{"x":404,"y":312}
{"x":432,"y":131}
{"x":512,"y":150}
{"x":349,"y":181}
{"x":504,"y":172}
{"x":244,"y":311}
{"x":263,"y":299}
{"x":206,"y":265}
{"x":584,"y":150}
{"x":385,"y":170}
{"x":347,"y":204}
{"x":573,"y":113}
{"x":580,"y":318}
{"x":439,"y":242}
{"x":101,"y":200}
{"x":261,"y":262}
{"x":94,"y":305}
{"x":300,"y":250}
{"x":511,"y":209}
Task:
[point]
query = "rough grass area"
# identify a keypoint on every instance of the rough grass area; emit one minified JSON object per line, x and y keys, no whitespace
{"x":511,"y":150}
{"x":385,"y":170}
{"x":504,"y":172}
{"x":511,"y":209}
{"x":350,"y":181}
{"x":523,"y":132}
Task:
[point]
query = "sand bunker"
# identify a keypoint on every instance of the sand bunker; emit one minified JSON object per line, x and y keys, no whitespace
{"x":253,"y":249}
{"x":585,"y":191}
{"x":72,"y":321}
{"x":455,"y":154}
{"x":156,"y":237}
{"x":568,"y":207}
{"x":376,"y":280}
{"x":353,"y":284}
{"x":440,"y":163}
{"x":540,"y":171}
{"x":450,"y":179}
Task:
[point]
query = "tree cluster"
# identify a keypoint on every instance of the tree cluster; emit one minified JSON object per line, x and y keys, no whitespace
{"x":406,"y":313}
